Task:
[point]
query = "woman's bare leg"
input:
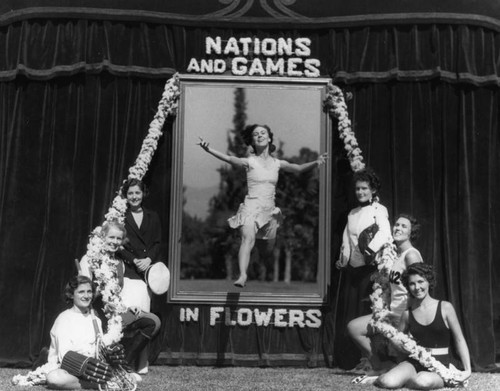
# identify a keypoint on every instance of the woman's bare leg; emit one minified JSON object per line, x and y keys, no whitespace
{"x":397,"y":377}
{"x":59,"y":379}
{"x":247,"y":243}
{"x":359,"y":331}
{"x":425,"y":381}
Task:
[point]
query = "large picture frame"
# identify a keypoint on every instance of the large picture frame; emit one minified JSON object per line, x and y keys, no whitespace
{"x":206,"y":192}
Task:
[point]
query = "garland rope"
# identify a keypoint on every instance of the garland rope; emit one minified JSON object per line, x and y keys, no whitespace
{"x":103,"y":266}
{"x":336,"y":107}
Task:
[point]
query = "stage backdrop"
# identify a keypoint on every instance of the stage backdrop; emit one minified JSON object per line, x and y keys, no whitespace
{"x":79,"y":85}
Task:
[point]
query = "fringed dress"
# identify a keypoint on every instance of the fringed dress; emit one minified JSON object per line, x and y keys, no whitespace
{"x":259,"y":209}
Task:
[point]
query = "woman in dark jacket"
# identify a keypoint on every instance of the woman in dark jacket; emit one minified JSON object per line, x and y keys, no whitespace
{"x":141,"y":251}
{"x":143,"y":228}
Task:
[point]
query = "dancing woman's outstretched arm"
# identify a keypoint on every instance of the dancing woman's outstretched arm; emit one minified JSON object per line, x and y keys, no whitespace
{"x":300,"y":168}
{"x":233,"y":160}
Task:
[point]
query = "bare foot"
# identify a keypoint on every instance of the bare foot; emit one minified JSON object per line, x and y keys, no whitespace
{"x":240,"y":282}
{"x":364,"y":379}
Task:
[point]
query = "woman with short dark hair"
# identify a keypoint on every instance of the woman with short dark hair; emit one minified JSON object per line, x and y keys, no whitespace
{"x":434,"y":325}
{"x":366,"y":231}
{"x":75,"y":333}
{"x":405,"y":231}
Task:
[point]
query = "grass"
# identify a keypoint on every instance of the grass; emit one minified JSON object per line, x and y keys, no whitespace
{"x":192,"y":378}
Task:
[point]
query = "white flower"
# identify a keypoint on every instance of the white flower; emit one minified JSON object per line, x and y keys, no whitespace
{"x":335,"y":105}
{"x":36,"y":377}
{"x":166,"y":106}
{"x":102,"y":266}
{"x":380,"y":320}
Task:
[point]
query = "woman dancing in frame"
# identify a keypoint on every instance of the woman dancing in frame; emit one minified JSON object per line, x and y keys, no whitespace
{"x":258,"y":217}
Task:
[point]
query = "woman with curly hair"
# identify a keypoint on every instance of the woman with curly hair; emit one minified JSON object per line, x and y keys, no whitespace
{"x":367,"y":229}
{"x":433,"y":324}
{"x":405,"y":232}
{"x":75,"y":333}
{"x":257,"y":216}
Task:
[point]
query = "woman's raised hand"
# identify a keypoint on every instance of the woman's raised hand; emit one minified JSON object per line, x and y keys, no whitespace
{"x":204,"y":144}
{"x":322,"y":159}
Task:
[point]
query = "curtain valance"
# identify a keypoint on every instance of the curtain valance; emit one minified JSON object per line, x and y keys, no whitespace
{"x":44,"y":49}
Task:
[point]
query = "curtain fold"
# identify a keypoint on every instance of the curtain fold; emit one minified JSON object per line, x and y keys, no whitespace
{"x":66,"y":147}
{"x":435,"y":147}
{"x":44,"y":49}
{"x":188,"y":343}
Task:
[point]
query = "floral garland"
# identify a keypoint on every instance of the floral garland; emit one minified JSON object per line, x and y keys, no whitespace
{"x":101,"y":264}
{"x":34,"y":378}
{"x":335,"y":105}
{"x":380,"y":321}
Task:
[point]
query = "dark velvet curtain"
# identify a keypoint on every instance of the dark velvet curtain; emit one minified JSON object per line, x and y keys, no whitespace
{"x":435,"y":148}
{"x":200,"y":343}
{"x":76,"y":98}
{"x":66,"y":146}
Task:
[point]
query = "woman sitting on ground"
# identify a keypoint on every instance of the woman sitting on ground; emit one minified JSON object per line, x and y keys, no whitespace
{"x":433,"y":324}
{"x":73,"y":337}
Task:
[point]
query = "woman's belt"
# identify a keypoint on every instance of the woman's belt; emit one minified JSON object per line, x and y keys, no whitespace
{"x":438,"y":351}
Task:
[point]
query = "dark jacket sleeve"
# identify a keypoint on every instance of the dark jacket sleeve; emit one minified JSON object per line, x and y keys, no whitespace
{"x":145,"y":242}
{"x":154,"y":249}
